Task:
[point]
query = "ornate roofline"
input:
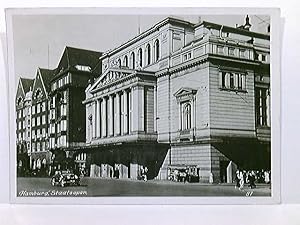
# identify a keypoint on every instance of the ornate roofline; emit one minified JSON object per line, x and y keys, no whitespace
{"x":146,"y":33}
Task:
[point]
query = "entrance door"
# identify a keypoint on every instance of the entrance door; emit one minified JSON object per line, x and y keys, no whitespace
{"x":223,"y":171}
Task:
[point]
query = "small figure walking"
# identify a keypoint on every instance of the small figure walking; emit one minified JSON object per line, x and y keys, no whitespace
{"x":241,"y":178}
{"x":251,"y":178}
{"x":145,"y":173}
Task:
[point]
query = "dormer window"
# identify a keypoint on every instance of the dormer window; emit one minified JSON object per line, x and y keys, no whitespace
{"x":83,"y":68}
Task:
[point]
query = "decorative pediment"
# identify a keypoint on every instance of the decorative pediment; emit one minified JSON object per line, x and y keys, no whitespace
{"x":110,"y":76}
{"x":185,"y":92}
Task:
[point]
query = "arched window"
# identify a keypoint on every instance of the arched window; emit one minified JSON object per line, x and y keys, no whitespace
{"x":187,"y":116}
{"x":156,"y":50}
{"x":125,"y":61}
{"x":132,"y":61}
{"x":148,"y":54}
{"x":119,"y":63}
{"x":140,"y":53}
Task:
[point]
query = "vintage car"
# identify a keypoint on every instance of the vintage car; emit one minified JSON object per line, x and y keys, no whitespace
{"x":64,"y":178}
{"x":183,"y":173}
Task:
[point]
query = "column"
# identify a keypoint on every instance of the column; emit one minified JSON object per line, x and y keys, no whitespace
{"x":94,"y":120}
{"x":138,"y":110}
{"x":103,"y":111}
{"x":179,"y":116}
{"x":268,"y":108}
{"x":133,"y":118}
{"x":87,"y":126}
{"x":118,"y":114}
{"x":122,"y":113}
{"x":111,"y":116}
{"x":129,"y":111}
{"x":125,"y":94}
{"x":98,"y":119}
{"x":155,"y":110}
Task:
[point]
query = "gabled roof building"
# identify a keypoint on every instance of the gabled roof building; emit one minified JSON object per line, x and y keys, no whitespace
{"x":66,"y":112}
{"x":23,"y":124}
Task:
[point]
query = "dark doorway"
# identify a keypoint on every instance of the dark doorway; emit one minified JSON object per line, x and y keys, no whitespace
{"x":223,"y":171}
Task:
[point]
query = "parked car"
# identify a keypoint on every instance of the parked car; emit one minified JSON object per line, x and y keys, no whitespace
{"x":64,"y":178}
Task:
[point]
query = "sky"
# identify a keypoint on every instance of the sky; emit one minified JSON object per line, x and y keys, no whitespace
{"x":39,"y":40}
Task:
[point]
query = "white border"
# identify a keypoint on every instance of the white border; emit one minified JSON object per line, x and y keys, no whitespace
{"x":275,"y":102}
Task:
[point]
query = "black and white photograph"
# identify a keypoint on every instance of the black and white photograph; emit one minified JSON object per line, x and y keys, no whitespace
{"x":134,"y":104}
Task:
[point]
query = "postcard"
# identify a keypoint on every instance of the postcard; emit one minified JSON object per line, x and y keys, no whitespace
{"x":144,"y":105}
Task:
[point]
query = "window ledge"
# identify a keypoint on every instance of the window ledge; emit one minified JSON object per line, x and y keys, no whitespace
{"x":233,"y":89}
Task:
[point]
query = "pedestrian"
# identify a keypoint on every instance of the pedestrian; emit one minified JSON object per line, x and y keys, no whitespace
{"x":211,"y":178}
{"x":237,"y":179}
{"x":176,"y":172}
{"x":242,"y":181}
{"x":145,"y":173}
{"x":267,"y":177}
{"x":251,"y":178}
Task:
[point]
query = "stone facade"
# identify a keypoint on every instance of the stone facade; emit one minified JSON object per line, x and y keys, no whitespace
{"x":192,"y":94}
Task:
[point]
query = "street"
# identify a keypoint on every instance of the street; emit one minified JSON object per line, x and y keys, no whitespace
{"x":33,"y":186}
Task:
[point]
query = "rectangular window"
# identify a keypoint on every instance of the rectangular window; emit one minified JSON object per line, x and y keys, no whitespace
{"x":38,"y":121}
{"x":33,"y":109}
{"x":53,"y":128}
{"x":43,"y":146}
{"x":220,"y":49}
{"x":43,"y":119}
{"x":242,"y":53}
{"x":261,"y":100}
{"x":231,"y":51}
{"x":38,"y":146}
{"x":43,"y":106}
{"x":63,"y":140}
{"x":232,"y":80}
{"x":33,"y":121}
{"x":38,"y":107}
{"x":63,"y":110}
{"x":63,"y":125}
{"x":187,"y":56}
